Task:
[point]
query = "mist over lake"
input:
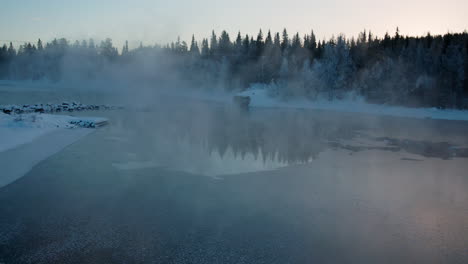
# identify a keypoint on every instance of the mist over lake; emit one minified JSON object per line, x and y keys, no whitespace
{"x":152,"y":132}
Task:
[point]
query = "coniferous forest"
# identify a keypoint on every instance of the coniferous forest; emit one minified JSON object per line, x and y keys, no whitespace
{"x":429,"y":71}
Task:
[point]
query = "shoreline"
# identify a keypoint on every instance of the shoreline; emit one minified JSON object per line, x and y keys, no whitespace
{"x":18,"y":161}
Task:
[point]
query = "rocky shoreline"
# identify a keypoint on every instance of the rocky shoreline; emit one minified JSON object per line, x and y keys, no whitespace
{"x":53,"y":108}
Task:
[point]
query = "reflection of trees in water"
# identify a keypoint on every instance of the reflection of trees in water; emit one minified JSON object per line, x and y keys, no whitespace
{"x":284,"y":136}
{"x":281,"y":136}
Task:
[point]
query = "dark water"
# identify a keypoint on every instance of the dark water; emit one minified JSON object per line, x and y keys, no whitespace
{"x":204,"y":183}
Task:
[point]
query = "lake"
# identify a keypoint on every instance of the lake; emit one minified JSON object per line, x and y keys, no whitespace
{"x":204,"y":183}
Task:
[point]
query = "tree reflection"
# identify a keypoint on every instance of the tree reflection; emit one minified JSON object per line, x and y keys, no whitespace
{"x":280,"y":136}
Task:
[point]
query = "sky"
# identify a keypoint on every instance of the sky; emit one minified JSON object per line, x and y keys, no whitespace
{"x":162,"y":21}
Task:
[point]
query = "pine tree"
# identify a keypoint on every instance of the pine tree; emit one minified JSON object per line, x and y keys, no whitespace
{"x":224,"y":45}
{"x":91,"y":45}
{"x":268,"y":40}
{"x":259,"y":44}
{"x":107,"y":50}
{"x":238,"y":46}
{"x":213,"y":44}
{"x":4,"y":61}
{"x":370,"y":38}
{"x":239,"y":40}
{"x":194,"y":50}
{"x":277,"y":41}
{"x":386,"y":41}
{"x":306,"y":42}
{"x":205,"y":50}
{"x":246,"y":46}
{"x":3,"y":53}
{"x":312,"y":45}
{"x":125,"y":49}
{"x":183,"y":47}
{"x":392,"y":69}
{"x":285,"y":41}
{"x":296,"y":42}
{"x":76,"y":44}
{"x":39,"y":45}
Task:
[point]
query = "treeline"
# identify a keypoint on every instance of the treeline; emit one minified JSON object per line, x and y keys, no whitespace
{"x":415,"y":71}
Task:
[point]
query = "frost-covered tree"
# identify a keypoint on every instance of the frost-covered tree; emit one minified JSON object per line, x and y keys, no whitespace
{"x":205,"y":49}
{"x":430,"y":70}
{"x":213,"y":44}
{"x":107,"y":50}
{"x":224,"y":44}
{"x":194,"y":50}
{"x":125,"y":49}
{"x":285,"y":41}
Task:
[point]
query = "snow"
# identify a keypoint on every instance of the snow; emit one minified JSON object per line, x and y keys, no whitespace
{"x":52,"y":108}
{"x":27,"y":139}
{"x":16,"y":130}
{"x":259,"y":95}
{"x":16,"y":162}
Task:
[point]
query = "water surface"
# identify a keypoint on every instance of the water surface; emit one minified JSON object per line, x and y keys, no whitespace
{"x":205,"y":183}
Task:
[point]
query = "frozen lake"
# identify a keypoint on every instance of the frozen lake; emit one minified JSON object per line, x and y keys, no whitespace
{"x":202,"y":183}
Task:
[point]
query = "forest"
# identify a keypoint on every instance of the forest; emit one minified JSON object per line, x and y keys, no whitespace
{"x":416,"y":71}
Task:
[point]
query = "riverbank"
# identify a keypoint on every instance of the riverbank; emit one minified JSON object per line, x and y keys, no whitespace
{"x":27,"y":139}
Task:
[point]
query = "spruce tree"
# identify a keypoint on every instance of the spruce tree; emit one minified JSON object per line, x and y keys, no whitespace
{"x":213,"y":44}
{"x":296,"y":42}
{"x":40,"y":47}
{"x":239,"y":40}
{"x":194,"y":50}
{"x":224,"y":45}
{"x":259,"y":44}
{"x":11,"y":51}
{"x":277,"y":41}
{"x":246,"y":46}
{"x":205,"y":50}
{"x":125,"y":48}
{"x":238,"y":45}
{"x":268,"y":40}
{"x":285,"y":41}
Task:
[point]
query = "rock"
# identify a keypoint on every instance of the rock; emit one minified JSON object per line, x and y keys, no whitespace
{"x":50,"y":108}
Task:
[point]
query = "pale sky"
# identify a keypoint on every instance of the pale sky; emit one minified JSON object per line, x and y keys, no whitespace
{"x":158,"y":21}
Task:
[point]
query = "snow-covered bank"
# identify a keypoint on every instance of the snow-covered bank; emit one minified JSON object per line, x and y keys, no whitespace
{"x":16,"y":130}
{"x":27,"y":139}
{"x":260,"y":98}
{"x":15,"y":163}
{"x":52,"y":108}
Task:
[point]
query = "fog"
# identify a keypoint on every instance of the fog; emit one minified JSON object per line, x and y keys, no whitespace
{"x":198,"y":182}
{"x":413,"y":71}
{"x":182,"y":174}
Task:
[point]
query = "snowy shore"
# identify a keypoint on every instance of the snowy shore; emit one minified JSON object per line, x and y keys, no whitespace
{"x":16,"y":130}
{"x":260,"y":98}
{"x":27,"y":139}
{"x":52,"y":108}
